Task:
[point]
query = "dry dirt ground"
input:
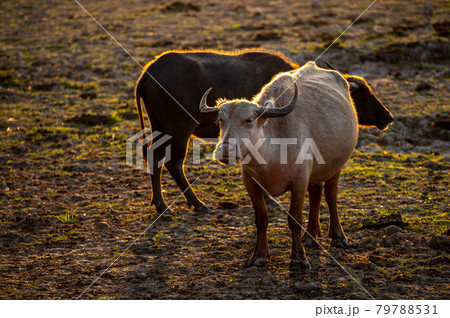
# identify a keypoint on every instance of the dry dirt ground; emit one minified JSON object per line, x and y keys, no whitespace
{"x":69,"y":205}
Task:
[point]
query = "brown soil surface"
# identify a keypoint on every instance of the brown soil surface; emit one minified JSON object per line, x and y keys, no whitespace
{"x":70,"y":206}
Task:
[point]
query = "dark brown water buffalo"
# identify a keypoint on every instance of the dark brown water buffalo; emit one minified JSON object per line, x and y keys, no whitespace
{"x":174,"y":82}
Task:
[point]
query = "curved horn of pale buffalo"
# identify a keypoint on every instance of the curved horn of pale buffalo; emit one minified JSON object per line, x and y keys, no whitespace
{"x":283,"y":111}
{"x":204,"y":107}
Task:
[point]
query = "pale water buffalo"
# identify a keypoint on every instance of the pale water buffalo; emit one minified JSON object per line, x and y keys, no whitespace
{"x":173,"y":83}
{"x":319,"y":111}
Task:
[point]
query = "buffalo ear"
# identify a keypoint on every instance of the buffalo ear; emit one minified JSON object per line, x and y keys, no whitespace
{"x":269,"y":104}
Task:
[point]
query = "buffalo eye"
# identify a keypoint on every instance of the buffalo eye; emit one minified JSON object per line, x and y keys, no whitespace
{"x":249,"y":121}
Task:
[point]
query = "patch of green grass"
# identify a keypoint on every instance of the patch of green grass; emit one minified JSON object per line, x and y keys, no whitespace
{"x":124,"y":114}
{"x":391,"y":183}
{"x":209,"y":246}
{"x":59,"y":239}
{"x":67,"y":217}
{"x":69,"y":84}
{"x":21,"y":199}
{"x":156,"y":238}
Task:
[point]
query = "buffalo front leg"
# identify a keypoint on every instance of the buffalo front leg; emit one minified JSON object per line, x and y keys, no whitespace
{"x":260,"y":255}
{"x":298,"y":256}
{"x":313,"y":230}
{"x":335,"y":231}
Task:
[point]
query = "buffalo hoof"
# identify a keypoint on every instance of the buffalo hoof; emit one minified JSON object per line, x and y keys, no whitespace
{"x":258,"y":262}
{"x":299,"y":265}
{"x":339,"y":242}
{"x":309,"y":242}
{"x":202,"y":208}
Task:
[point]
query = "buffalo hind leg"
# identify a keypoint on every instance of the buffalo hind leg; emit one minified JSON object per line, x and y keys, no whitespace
{"x":175,"y":168}
{"x":260,"y":255}
{"x":335,"y":232}
{"x":157,"y":154}
{"x":298,"y":256}
{"x":313,"y":230}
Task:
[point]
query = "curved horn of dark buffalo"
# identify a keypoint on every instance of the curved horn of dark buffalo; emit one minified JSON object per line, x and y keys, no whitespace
{"x":283,"y":111}
{"x":330,"y":66}
{"x":204,"y":107}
